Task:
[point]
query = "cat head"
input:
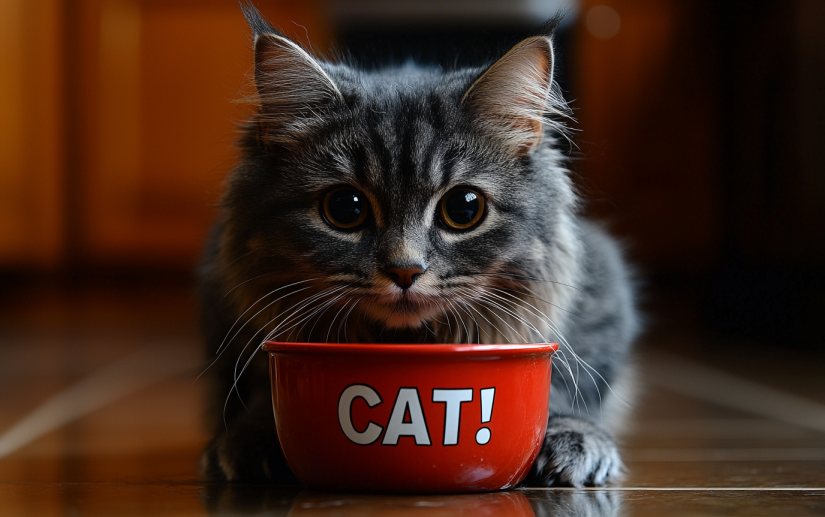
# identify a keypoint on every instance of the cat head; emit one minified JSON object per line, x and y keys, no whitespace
{"x":403,"y":195}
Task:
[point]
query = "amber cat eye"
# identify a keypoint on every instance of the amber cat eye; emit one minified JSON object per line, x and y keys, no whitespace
{"x":461,"y":208}
{"x":345,"y":208}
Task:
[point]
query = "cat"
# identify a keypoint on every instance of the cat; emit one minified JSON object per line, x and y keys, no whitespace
{"x":410,"y":204}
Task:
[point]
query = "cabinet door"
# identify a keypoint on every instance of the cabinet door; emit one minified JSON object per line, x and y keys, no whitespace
{"x":157,"y":86}
{"x":31,"y":134}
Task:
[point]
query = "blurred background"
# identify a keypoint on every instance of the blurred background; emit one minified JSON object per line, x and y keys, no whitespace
{"x":700,"y":142}
{"x":699,"y":137}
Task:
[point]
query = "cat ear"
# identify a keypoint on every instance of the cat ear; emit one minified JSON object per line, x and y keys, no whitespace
{"x":514,"y":95}
{"x":292,"y":87}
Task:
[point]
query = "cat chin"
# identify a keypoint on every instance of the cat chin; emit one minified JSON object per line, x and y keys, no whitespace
{"x":400,"y":316}
{"x":403,"y":321}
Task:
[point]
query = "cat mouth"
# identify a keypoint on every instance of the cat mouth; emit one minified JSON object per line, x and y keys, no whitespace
{"x":404,"y":311}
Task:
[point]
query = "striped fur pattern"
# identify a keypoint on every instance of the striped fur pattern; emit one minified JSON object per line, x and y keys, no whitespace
{"x":533,"y":270}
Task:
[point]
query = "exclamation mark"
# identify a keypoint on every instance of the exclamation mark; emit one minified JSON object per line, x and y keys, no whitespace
{"x":487,"y":396}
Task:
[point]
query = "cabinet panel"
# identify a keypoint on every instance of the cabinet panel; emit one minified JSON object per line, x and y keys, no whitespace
{"x":31,"y":145}
{"x":160,"y":85}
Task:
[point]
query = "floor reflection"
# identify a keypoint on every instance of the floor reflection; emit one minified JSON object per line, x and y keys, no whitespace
{"x":232,"y":500}
{"x":578,"y":503}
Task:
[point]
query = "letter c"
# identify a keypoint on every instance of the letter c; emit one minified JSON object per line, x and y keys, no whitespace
{"x":373,"y":430}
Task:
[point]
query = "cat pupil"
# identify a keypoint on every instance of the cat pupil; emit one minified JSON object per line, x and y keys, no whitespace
{"x":462,"y":207}
{"x":345,"y":206}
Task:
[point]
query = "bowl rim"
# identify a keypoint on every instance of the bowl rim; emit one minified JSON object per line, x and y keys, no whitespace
{"x":279,"y":347}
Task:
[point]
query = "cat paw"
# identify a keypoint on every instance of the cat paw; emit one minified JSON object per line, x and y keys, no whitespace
{"x":247,"y":457}
{"x":575,"y":453}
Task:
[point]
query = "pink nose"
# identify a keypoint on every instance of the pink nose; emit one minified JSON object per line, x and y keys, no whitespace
{"x":404,"y":276}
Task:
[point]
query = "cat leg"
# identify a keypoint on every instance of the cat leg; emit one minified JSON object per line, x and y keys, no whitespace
{"x":575,"y":453}
{"x":248,"y":451}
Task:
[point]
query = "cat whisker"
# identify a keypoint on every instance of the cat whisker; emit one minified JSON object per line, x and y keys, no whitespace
{"x":514,"y":314}
{"x":227,"y":293}
{"x":529,"y":292}
{"x":256,"y":314}
{"x":446,"y":318}
{"x":482,"y":299}
{"x":492,"y":305}
{"x":488,"y":321}
{"x":519,"y":304}
{"x":225,"y":344}
{"x":303,"y":316}
{"x":238,"y":375}
{"x":587,"y":367}
{"x":320,"y":312}
{"x":424,"y":323}
{"x":458,"y":320}
{"x":296,"y":309}
{"x":346,"y":318}
{"x":302,"y":304}
{"x":307,"y":319}
{"x":529,"y":278}
{"x":465,"y":307}
{"x":331,"y":323}
{"x":479,"y":328}
{"x":486,"y":300}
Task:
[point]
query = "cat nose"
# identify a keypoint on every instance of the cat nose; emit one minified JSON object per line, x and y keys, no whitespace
{"x":404,"y":277}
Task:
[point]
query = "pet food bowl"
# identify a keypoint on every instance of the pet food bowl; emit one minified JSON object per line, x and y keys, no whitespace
{"x":410,"y":418}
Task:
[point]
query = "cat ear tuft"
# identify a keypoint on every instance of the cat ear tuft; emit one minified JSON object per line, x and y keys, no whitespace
{"x":255,"y":20}
{"x":515,"y":95}
{"x":293,"y":89}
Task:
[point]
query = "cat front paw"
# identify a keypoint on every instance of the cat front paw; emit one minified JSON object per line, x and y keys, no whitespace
{"x":575,"y":453}
{"x":247,"y":455}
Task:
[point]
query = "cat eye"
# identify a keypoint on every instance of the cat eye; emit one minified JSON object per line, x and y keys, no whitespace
{"x":461,"y":208}
{"x":345,"y":208}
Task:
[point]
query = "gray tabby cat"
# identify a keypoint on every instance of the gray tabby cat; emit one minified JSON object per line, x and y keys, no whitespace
{"x":409,"y":205}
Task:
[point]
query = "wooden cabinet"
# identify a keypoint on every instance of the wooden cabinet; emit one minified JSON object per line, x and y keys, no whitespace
{"x":32,"y":231}
{"x":160,"y":90}
{"x":119,"y":124}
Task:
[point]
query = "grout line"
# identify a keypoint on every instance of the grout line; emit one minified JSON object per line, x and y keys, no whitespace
{"x":132,"y":373}
{"x":724,"y":389}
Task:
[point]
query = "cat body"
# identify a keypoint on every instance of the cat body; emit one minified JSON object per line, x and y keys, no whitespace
{"x":409,"y":205}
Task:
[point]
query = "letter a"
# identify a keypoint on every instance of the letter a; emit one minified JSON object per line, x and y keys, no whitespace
{"x":407,"y":399}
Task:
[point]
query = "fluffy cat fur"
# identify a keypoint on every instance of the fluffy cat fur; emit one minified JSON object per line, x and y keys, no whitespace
{"x":533,"y":270}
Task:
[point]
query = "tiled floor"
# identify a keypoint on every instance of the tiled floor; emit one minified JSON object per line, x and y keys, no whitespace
{"x":99,"y":415}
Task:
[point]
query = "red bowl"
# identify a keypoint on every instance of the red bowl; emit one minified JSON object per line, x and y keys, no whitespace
{"x":410,"y":418}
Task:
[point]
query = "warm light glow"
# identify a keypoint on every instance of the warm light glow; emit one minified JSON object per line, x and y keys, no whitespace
{"x":603,"y":21}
